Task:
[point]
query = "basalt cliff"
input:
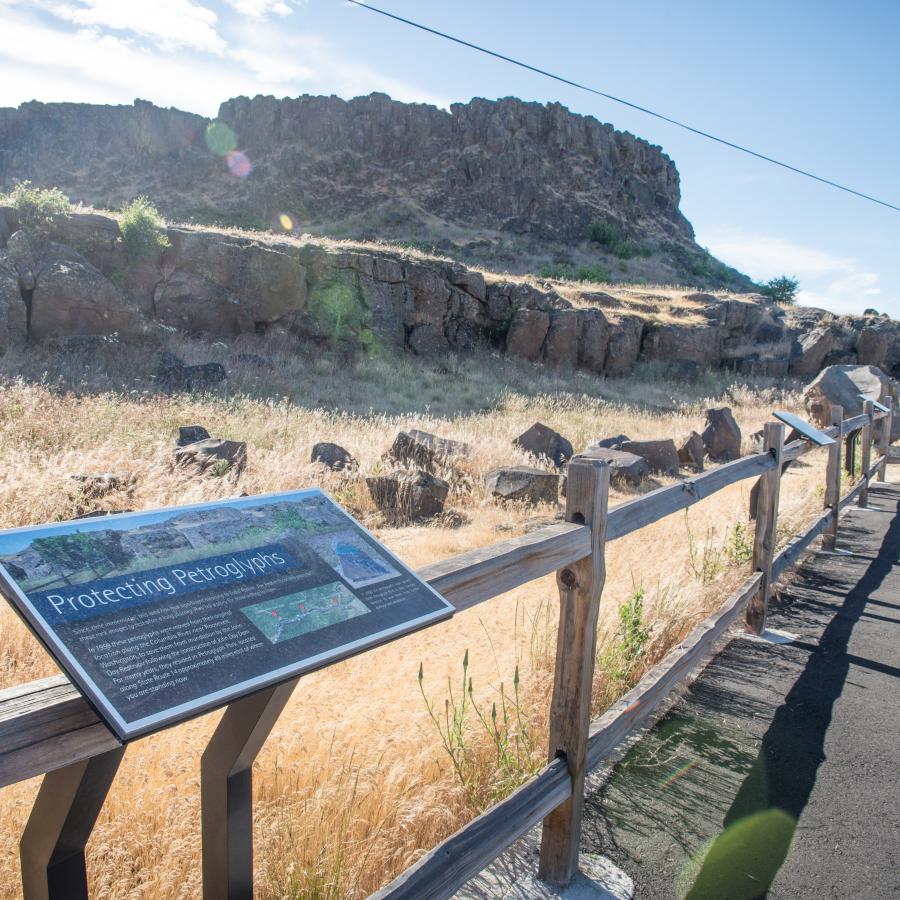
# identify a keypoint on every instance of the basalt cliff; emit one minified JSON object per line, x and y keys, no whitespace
{"x":512,"y":185}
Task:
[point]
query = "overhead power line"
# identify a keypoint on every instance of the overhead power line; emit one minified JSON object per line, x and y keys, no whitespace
{"x":628,"y":103}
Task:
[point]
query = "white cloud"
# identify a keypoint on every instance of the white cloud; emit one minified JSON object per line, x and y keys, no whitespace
{"x":168,"y":23}
{"x":93,"y":66}
{"x":259,"y":9}
{"x":838,"y":283}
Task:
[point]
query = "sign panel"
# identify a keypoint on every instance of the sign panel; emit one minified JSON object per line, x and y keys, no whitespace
{"x":158,"y":616}
{"x":876,"y":405}
{"x":810,"y":432}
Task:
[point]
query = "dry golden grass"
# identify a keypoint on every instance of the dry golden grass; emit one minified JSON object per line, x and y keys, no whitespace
{"x":353,"y":785}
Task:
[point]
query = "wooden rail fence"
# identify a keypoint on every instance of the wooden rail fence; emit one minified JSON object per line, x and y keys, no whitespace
{"x":47,"y":728}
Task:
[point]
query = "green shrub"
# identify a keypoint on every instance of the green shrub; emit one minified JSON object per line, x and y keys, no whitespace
{"x":37,"y":206}
{"x":781,"y":290}
{"x":143,"y":230}
{"x":564,"y":272}
{"x":339,"y":311}
{"x":608,"y":236}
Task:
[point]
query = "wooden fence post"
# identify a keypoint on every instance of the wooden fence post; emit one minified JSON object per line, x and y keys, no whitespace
{"x":766,"y":522}
{"x":884,"y":437}
{"x":833,"y":481}
{"x":866,"y":444}
{"x":580,"y":585}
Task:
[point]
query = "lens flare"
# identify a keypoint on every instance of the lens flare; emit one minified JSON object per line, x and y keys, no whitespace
{"x":238,"y":164}
{"x":286,"y":222}
{"x":220,"y":138}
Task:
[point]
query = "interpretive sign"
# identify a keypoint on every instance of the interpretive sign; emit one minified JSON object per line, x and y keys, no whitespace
{"x":807,"y":431}
{"x":158,"y":616}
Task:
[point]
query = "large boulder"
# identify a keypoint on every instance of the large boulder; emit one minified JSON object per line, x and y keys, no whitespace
{"x":624,"y":344}
{"x":405,"y":497}
{"x":594,"y":340}
{"x":194,"y":303}
{"x":332,"y":456}
{"x":13,"y":312}
{"x":691,"y":452}
{"x":173,"y":375}
{"x":841,"y":386}
{"x":214,"y":456}
{"x":526,"y":334}
{"x":661,"y":455}
{"x":523,"y":484}
{"x":700,"y":344}
{"x":722,"y":435}
{"x":72,"y":297}
{"x":423,"y":449}
{"x":561,"y":343}
{"x":541,"y":440}
{"x":97,"y":237}
{"x":624,"y":467}
{"x":811,"y":350}
{"x":873,"y":346}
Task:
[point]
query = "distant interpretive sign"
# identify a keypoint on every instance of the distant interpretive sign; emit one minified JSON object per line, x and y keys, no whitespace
{"x":807,"y":431}
{"x":158,"y":616}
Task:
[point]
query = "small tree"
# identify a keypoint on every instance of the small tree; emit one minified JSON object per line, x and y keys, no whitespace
{"x":781,"y":290}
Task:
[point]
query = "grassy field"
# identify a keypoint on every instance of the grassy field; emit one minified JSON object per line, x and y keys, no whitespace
{"x":357,"y":778}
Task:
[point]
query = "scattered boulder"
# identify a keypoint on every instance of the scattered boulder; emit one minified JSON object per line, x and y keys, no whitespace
{"x":611,"y":443}
{"x":722,"y":435}
{"x":691,"y":453}
{"x":405,"y":497}
{"x":173,"y":375}
{"x":661,"y":455}
{"x":541,"y":440}
{"x":332,"y":456}
{"x":190,"y":434}
{"x":213,"y":455}
{"x":423,"y":449}
{"x":523,"y":484}
{"x":624,"y":467}
{"x":526,"y":334}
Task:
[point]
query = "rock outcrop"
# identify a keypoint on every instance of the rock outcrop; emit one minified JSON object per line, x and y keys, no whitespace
{"x":224,"y":285}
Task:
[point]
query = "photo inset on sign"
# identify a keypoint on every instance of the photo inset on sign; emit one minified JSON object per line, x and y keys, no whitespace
{"x":348,"y":553}
{"x":287,"y":617}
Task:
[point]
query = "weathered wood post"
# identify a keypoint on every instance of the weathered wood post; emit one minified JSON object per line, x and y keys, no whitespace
{"x":61,"y":821}
{"x":580,"y":585}
{"x":226,"y":791}
{"x":766,"y":522}
{"x":884,"y":437}
{"x":833,"y":481}
{"x":866,"y":456}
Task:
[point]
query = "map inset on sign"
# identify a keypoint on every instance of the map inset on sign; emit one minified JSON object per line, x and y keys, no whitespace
{"x":352,"y":558}
{"x":296,"y":614}
{"x":159,"y":616}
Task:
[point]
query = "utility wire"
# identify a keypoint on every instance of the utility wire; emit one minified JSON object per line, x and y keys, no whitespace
{"x":628,"y":103}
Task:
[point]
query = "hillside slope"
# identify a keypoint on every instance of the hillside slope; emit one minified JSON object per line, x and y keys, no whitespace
{"x":513,"y":185}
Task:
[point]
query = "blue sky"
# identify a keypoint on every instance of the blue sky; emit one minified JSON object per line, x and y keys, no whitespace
{"x":813,"y":83}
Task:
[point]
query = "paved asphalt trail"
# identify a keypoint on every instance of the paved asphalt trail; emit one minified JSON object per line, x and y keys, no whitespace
{"x":778,"y":774}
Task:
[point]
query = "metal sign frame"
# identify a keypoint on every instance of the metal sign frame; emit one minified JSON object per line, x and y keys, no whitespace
{"x":807,"y":432}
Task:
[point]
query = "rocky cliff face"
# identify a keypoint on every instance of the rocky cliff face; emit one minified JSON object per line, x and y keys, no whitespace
{"x":505,"y":181}
{"x":75,"y":279}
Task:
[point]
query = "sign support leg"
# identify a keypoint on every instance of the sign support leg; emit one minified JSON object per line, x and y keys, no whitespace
{"x":62,"y":818}
{"x":226,"y":789}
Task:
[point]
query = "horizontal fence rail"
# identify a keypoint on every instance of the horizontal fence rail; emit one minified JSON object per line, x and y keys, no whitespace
{"x":46,"y":726}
